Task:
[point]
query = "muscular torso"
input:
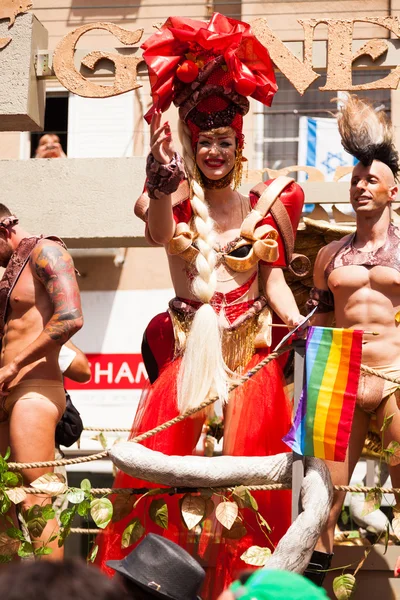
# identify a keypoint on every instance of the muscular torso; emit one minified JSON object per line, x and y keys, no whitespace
{"x":368,"y":298}
{"x":29,"y":310}
{"x":227,"y":229}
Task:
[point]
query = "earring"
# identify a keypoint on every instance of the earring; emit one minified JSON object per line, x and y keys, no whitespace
{"x":197,"y":175}
{"x":238,"y":169}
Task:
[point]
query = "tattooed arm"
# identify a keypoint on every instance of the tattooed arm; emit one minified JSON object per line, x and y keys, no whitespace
{"x":51,"y":264}
{"x":53,"y":267}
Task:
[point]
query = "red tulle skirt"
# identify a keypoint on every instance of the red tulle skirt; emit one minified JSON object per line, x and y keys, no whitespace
{"x":257,"y":417}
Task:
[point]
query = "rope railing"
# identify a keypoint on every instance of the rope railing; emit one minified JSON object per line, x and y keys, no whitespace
{"x":147,"y":434}
{"x":171,"y":491}
{"x":144,"y":436}
{"x":107,"y":429}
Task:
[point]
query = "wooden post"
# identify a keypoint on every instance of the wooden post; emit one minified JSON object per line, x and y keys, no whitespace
{"x":299,"y":347}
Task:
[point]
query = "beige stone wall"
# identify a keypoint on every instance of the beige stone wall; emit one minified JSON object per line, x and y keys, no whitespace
{"x":138,"y":14}
{"x":282,"y":16}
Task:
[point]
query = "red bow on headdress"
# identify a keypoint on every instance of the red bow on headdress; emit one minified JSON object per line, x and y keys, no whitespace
{"x":195,"y":42}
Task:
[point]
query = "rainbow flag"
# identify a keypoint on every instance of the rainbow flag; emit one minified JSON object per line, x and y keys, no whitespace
{"x":325,"y":412}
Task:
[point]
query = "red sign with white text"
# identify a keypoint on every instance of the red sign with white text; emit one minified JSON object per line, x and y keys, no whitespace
{"x":113,"y":372}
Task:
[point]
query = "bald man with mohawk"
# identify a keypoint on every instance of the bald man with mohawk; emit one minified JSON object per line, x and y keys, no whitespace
{"x":357,"y":285}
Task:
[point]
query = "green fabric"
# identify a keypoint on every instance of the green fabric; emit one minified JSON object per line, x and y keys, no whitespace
{"x":277,"y":585}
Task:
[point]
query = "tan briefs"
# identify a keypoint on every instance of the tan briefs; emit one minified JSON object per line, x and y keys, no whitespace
{"x":28,"y":389}
{"x":373,"y":389}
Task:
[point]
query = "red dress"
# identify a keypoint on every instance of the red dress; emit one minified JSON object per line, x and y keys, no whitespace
{"x":257,"y":417}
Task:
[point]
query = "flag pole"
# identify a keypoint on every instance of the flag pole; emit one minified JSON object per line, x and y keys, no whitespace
{"x":299,"y":347}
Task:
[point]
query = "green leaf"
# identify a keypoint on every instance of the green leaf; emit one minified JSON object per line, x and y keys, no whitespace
{"x":5,"y":503}
{"x":244,"y":498}
{"x":101,"y":511}
{"x":372,"y":502}
{"x":63,"y":536}
{"x":236,"y":532}
{"x":210,"y":507}
{"x":83,"y":508}
{"x":35,"y":521}
{"x":15,"y":534}
{"x":256,"y":556}
{"x":76,"y":495}
{"x":123,"y":506}
{"x":391,"y":454}
{"x":344,"y":517}
{"x":8,"y":453}
{"x":8,"y":545}
{"x":132,"y":533}
{"x":353,"y":535}
{"x":264,"y":523}
{"x":93,"y":553}
{"x":67,"y":515}
{"x":25,"y":550}
{"x":158,"y":512}
{"x":206,"y":493}
{"x":387,"y":533}
{"x":86,"y":486}
{"x":387,"y":420}
{"x":100,"y":437}
{"x":48,"y":512}
{"x":3,"y":465}
{"x":43,"y":551}
{"x":10,"y":479}
{"x":5,"y":558}
{"x":344,"y":586}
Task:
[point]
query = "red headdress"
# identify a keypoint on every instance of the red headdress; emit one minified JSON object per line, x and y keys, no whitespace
{"x":208,"y":70}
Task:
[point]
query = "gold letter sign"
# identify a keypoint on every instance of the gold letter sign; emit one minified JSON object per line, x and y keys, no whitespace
{"x":340,"y":53}
{"x":9,"y":9}
{"x":341,"y":56}
{"x":125,"y":66}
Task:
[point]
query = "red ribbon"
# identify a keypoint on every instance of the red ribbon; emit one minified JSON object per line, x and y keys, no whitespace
{"x":246,"y":58}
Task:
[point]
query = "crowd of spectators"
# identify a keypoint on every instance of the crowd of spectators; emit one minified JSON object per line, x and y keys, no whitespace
{"x":156,"y":568}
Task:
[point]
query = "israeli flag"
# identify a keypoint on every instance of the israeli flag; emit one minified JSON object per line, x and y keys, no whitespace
{"x":320,"y":146}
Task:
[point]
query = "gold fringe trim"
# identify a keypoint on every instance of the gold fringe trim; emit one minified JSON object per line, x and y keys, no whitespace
{"x":238,"y":343}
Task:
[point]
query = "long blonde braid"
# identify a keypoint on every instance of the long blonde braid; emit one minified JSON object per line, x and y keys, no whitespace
{"x":203,"y":371}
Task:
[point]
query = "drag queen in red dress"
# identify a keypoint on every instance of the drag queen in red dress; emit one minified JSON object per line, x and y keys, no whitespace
{"x":225,"y":253}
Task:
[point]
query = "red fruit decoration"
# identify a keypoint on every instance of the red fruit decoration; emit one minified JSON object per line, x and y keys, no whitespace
{"x":245,"y":87}
{"x":187,"y":71}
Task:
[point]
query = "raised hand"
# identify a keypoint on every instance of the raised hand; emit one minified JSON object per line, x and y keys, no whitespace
{"x":161,"y":145}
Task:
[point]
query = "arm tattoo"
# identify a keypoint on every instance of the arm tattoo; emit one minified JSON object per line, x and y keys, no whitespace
{"x":54,"y":268}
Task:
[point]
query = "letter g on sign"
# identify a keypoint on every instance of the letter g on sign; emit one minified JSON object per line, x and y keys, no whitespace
{"x":125,"y":66}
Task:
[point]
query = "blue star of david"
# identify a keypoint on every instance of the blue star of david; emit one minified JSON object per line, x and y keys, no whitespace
{"x":332,"y":161}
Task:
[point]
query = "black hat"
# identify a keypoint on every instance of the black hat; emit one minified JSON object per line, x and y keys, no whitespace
{"x":162,"y":568}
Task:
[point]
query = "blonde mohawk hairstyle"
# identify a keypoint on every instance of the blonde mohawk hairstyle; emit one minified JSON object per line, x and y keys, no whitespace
{"x":367,"y":134}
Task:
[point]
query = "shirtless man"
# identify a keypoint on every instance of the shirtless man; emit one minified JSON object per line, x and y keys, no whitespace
{"x":42,"y":312}
{"x":357,"y":283}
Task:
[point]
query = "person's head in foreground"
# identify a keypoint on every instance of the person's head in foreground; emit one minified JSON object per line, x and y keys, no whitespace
{"x":63,"y":580}
{"x":159,"y":568}
{"x":274,"y":585}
